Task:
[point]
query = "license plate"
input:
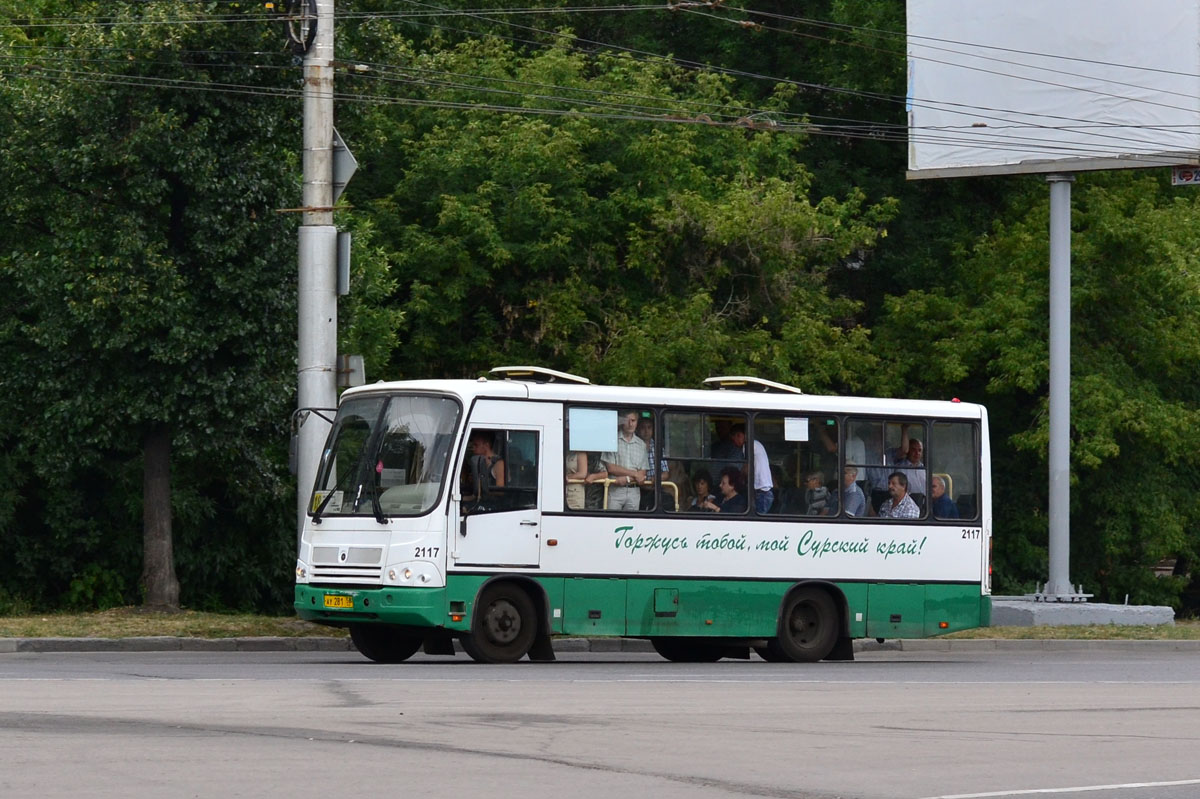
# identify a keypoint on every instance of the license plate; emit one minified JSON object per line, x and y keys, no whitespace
{"x":337,"y":601}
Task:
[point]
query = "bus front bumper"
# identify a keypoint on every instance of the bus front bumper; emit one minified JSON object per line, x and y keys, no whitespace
{"x":339,"y":607}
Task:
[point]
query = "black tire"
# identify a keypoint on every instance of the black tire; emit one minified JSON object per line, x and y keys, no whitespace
{"x":384,"y":643}
{"x":686,"y":650}
{"x":808,"y":626}
{"x":504,"y":627}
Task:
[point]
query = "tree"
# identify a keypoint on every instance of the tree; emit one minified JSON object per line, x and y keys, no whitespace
{"x":149,"y":306}
{"x":687,"y":248}
{"x":1135,"y":397}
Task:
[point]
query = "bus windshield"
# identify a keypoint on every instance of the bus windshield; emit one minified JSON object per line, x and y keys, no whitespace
{"x":385,"y":455}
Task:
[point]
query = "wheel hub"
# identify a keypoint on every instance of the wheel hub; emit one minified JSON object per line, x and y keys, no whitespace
{"x":503,"y":622}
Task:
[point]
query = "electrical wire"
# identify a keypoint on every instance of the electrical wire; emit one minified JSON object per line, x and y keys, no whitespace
{"x":295,"y":93}
{"x":877,"y":130}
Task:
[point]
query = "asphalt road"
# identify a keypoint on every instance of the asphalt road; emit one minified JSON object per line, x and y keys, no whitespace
{"x":1112,"y":723}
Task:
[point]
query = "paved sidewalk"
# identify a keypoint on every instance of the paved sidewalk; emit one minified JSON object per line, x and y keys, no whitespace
{"x":329,"y":644}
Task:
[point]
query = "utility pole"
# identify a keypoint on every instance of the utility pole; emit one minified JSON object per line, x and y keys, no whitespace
{"x":317,"y":394}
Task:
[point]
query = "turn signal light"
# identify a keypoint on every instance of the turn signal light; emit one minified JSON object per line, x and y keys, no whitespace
{"x":944,"y":624}
{"x":455,"y":617}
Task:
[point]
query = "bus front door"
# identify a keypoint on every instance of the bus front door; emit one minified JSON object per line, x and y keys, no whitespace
{"x":500,"y":517}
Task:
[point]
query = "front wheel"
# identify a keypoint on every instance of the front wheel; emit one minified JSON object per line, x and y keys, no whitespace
{"x":504,"y":627}
{"x":808,"y":627}
{"x":383,"y":643}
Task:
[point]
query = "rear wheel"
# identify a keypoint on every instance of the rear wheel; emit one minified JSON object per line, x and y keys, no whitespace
{"x":808,"y":627}
{"x":504,"y":627}
{"x":383,"y":643}
{"x":685,"y":650}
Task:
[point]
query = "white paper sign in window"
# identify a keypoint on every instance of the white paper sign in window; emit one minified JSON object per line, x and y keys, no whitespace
{"x":592,"y":430}
{"x":795,"y":429}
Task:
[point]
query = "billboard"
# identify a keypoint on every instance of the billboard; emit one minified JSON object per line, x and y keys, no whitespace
{"x":1034,"y":86}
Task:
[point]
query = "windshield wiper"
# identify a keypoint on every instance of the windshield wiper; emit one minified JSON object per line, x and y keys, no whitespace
{"x":341,"y":484}
{"x":379,"y":517}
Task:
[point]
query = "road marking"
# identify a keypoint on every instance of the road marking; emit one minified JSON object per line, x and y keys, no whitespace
{"x":1077,"y":789}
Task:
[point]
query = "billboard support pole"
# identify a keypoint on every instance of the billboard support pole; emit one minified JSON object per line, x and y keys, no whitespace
{"x":1059,"y":588}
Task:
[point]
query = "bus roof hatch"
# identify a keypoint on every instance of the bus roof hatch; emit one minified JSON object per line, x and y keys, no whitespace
{"x":536,"y":374}
{"x":742,"y":383}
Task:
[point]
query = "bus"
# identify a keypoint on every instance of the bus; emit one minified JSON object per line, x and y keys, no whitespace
{"x":742,"y":516}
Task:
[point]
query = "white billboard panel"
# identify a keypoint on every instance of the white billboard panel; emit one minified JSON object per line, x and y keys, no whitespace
{"x":1024,"y":86}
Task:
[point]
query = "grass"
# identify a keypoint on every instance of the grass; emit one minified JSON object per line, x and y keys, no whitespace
{"x":1179,"y":631}
{"x":133,"y":622}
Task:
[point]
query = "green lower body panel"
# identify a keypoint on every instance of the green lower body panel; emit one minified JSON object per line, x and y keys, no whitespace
{"x":652,"y":607}
{"x":414,"y":607}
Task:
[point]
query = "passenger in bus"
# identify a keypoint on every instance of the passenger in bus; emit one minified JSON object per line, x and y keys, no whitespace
{"x":901,"y":505}
{"x":943,"y":507}
{"x":595,"y":491}
{"x":723,"y":448}
{"x":818,"y":499}
{"x":733,"y":498}
{"x":764,"y":485}
{"x":485,"y":469}
{"x":677,"y":476}
{"x":627,"y":467}
{"x":853,"y":499}
{"x":577,"y":470}
{"x":907,"y":458}
{"x":645,"y":431}
{"x":702,"y":485}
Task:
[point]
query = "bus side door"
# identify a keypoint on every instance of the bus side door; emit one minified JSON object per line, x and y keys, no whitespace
{"x":502,"y":524}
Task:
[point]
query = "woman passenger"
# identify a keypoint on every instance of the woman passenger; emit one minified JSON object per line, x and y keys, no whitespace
{"x":702,"y":486}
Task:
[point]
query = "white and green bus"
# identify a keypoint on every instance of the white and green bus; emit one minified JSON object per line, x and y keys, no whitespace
{"x":746,"y":516}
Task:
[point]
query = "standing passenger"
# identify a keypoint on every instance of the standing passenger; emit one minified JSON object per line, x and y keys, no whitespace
{"x":764,"y":494}
{"x":627,"y":466}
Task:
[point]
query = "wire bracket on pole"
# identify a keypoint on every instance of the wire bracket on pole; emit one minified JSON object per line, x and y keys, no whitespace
{"x":300,"y":24}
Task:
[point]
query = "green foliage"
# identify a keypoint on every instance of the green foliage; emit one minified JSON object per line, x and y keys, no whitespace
{"x":1135,"y":307}
{"x":148,"y":281}
{"x":685,"y":249}
{"x":95,"y":588}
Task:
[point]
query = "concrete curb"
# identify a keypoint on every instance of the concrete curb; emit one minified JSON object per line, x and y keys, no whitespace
{"x":329,"y":644}
{"x":173,"y":644}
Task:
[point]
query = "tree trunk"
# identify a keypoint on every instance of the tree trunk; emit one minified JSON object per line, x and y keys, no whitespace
{"x":158,"y":559}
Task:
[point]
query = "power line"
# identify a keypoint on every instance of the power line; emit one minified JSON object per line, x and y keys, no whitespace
{"x":176,"y":84}
{"x":818,"y":87}
{"x":875,"y":130}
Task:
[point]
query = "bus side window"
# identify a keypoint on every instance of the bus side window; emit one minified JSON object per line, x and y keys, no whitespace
{"x":953,"y":460}
{"x":521,"y":462}
{"x":500,"y":471}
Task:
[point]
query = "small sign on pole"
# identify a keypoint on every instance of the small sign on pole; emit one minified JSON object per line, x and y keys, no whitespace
{"x":350,"y":371}
{"x":344,"y":165}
